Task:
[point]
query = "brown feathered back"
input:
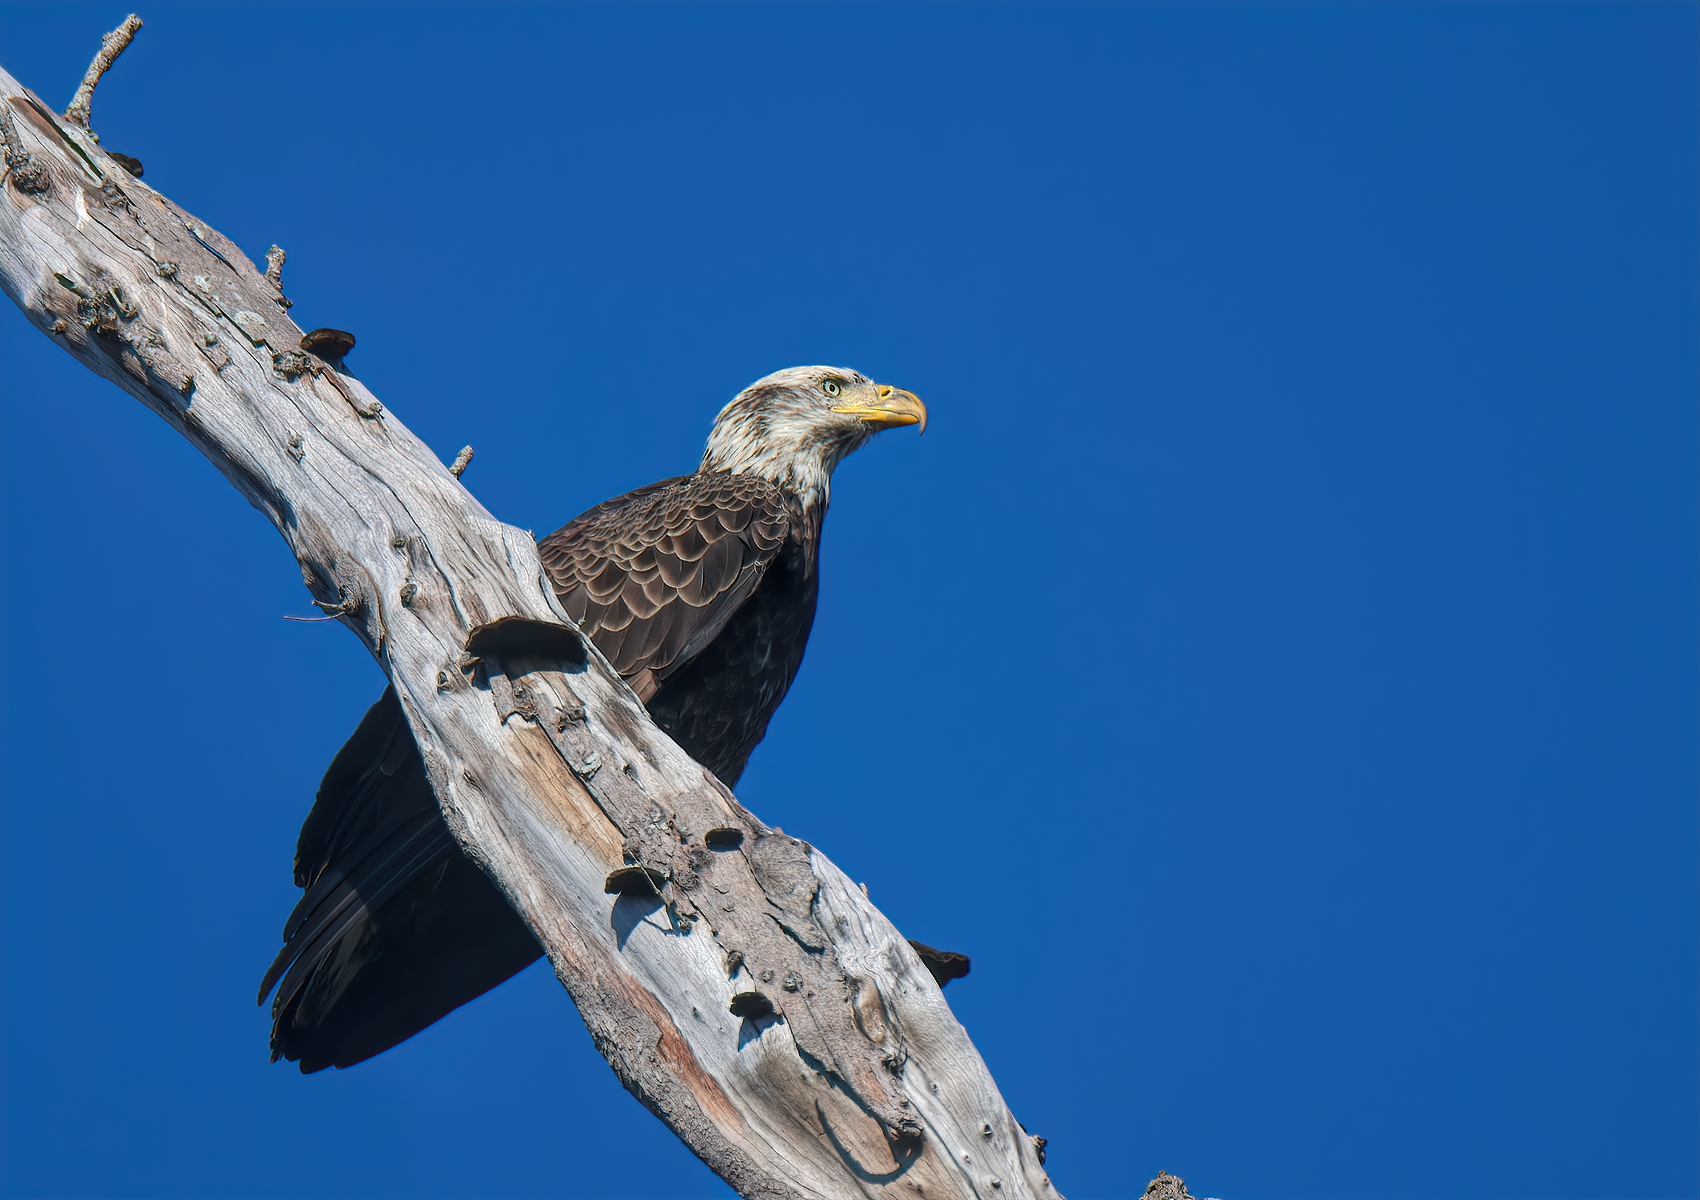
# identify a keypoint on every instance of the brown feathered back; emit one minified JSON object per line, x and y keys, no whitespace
{"x":654,"y":575}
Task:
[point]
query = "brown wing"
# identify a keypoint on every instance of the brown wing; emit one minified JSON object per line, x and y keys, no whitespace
{"x":653,"y":576}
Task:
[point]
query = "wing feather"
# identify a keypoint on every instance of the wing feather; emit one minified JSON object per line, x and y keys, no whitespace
{"x":653,"y":575}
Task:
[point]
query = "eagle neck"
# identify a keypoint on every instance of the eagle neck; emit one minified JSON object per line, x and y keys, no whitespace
{"x":791,"y":447}
{"x":806,"y":476}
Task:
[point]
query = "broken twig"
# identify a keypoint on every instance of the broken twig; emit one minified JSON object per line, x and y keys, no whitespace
{"x":275,"y":258}
{"x":111,"y":46}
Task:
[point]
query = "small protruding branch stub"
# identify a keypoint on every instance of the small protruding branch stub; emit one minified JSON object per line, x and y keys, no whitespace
{"x":275,"y":258}
{"x":26,"y":174}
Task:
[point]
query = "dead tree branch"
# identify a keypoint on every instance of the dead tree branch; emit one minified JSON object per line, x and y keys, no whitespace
{"x":111,"y":46}
{"x":740,"y":986}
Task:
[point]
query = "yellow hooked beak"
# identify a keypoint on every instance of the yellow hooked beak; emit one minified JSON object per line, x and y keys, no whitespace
{"x":893,"y":408}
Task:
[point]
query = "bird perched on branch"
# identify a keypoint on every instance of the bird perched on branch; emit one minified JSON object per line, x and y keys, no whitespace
{"x":700,"y":591}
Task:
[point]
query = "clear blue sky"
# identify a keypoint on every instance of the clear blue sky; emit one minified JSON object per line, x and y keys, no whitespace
{"x":1287,"y":623}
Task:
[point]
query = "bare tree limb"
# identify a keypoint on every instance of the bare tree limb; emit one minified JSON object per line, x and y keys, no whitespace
{"x":111,"y":46}
{"x":740,"y":986}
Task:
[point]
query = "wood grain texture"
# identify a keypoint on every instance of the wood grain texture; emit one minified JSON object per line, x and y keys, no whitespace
{"x":842,"y":1071}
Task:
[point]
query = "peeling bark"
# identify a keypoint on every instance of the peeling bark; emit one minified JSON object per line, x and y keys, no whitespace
{"x":740,"y":986}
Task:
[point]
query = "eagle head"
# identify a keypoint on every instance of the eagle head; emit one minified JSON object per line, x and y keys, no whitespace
{"x":796,"y":425}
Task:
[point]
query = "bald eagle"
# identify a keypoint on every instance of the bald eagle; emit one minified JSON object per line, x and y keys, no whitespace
{"x":700,"y":591}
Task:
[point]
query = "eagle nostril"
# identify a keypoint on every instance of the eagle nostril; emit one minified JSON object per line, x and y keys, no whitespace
{"x":884,"y":392}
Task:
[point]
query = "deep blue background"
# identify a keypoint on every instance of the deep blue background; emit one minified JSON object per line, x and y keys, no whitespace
{"x":1276,"y":665}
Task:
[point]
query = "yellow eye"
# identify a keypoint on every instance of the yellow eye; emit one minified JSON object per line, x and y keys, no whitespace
{"x":830,"y":387}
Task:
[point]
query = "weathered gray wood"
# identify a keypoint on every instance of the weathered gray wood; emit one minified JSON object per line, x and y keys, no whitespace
{"x":843,"y":1071}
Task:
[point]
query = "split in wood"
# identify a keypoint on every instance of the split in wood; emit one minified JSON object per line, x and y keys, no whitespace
{"x":132,"y":165}
{"x":330,"y":345}
{"x":727,"y":838}
{"x":370,"y":412}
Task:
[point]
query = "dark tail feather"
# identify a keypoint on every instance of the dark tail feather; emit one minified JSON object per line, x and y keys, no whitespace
{"x":399,"y":967}
{"x":345,"y":900}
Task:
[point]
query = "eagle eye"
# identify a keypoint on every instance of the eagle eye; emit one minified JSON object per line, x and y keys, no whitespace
{"x":830,"y":387}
